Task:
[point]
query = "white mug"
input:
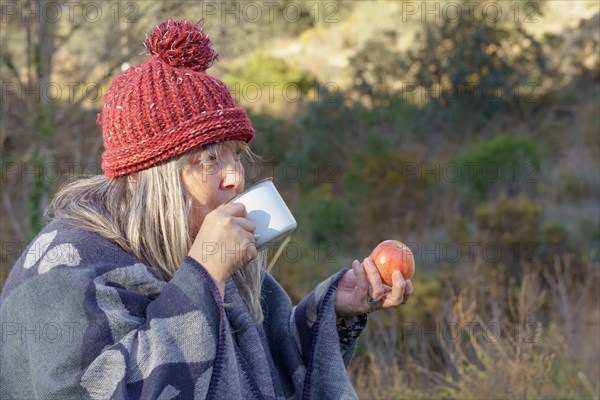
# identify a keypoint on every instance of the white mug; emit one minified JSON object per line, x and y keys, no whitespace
{"x":267,"y":210}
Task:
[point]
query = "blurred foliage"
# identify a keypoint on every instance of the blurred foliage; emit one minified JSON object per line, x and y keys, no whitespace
{"x":510,"y":162}
{"x":460,"y":232}
{"x":324,"y":136}
{"x":490,"y":56}
{"x":268,"y":142}
{"x":463,"y":71}
{"x":558,"y":240}
{"x":260,"y":81}
{"x":387,"y":189}
{"x":375,"y":67}
{"x":512,"y":230}
{"x":325,"y":217}
{"x":579,"y":49}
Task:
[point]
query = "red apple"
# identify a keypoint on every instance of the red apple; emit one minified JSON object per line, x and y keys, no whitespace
{"x":392,"y":255}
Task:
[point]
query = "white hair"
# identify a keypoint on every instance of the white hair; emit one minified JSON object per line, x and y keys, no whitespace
{"x":160,"y":235}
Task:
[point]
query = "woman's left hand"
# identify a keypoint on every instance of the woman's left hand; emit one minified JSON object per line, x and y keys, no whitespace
{"x":362,"y":284}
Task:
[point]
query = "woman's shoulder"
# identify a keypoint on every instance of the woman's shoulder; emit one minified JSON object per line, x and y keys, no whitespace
{"x":60,"y":244}
{"x":61,"y":250}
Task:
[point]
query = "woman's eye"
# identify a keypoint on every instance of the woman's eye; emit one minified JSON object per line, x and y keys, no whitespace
{"x":209,"y":157}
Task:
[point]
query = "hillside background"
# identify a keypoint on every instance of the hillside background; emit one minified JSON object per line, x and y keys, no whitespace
{"x":468,"y":130}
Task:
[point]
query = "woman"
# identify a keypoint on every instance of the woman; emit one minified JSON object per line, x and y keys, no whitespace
{"x":119,"y":295}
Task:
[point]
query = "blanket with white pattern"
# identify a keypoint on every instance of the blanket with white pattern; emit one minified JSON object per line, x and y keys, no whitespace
{"x":81,"y":318}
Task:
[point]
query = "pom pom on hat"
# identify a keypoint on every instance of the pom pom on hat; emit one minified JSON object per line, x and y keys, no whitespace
{"x":168,"y":104}
{"x":181,"y":44}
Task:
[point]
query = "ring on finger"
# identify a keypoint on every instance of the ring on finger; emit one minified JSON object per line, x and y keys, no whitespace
{"x":372,"y":301}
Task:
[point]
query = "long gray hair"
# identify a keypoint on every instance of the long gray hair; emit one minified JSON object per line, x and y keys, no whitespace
{"x":160,"y":235}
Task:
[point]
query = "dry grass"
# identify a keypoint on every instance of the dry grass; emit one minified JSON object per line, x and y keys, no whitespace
{"x":538,"y":338}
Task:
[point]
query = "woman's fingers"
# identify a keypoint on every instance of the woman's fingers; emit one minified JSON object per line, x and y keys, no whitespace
{"x":362,"y":282}
{"x":359,"y":287}
{"x":408,"y":292}
{"x":374,"y":279}
{"x":232,"y":232}
{"x":396,"y":296}
{"x":251,"y":252}
{"x":245,"y":224}
{"x":234,"y":209}
{"x":238,"y":214}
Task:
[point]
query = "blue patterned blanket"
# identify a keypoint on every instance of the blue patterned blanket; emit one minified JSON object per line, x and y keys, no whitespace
{"x":81,"y":318}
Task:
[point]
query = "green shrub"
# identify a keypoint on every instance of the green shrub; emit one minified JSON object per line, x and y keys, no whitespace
{"x":463,"y":72}
{"x":558,"y":241}
{"x":266,"y":83}
{"x":509,"y":161}
{"x":325,"y":217}
{"x":324,"y":134}
{"x":512,"y":231}
{"x":387,"y":189}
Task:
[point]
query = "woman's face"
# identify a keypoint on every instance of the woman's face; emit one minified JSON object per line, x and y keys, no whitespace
{"x":213,"y":178}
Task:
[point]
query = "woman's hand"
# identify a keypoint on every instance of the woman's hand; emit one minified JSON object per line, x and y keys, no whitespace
{"x":363,"y":283}
{"x":225,"y":242}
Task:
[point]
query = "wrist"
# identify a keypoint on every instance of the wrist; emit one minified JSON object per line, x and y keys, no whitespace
{"x":342,"y":315}
{"x":215,"y":273}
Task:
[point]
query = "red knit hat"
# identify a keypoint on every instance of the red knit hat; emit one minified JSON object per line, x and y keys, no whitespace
{"x":168,"y":105}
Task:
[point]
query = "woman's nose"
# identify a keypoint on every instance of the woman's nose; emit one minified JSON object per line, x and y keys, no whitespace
{"x":233,"y":175}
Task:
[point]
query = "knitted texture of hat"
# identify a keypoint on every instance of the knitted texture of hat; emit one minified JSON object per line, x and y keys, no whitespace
{"x":168,"y":105}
